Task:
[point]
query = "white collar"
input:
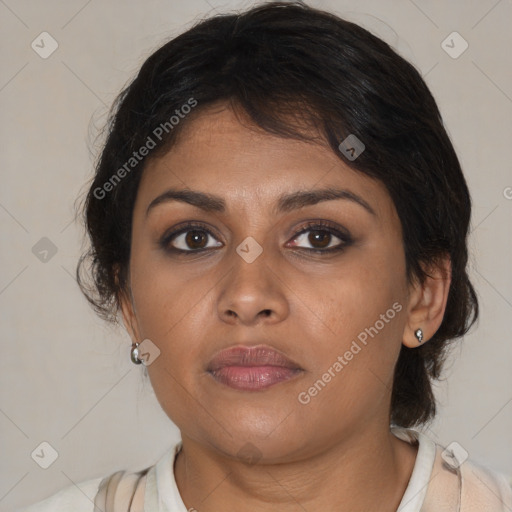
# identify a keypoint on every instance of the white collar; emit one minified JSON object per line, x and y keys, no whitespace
{"x":162,"y":494}
{"x":416,"y":490}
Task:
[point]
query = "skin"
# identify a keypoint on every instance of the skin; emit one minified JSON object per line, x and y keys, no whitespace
{"x":336,"y":452}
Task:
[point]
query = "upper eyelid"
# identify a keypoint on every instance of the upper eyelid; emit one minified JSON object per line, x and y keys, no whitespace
{"x":309,"y":225}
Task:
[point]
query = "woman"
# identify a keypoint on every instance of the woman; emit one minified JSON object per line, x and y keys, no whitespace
{"x":281,"y":219}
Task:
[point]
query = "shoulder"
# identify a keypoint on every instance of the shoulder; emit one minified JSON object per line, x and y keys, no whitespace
{"x":125,"y":488}
{"x":79,"y":498}
{"x":458,"y":483}
{"x":444,"y":479}
{"x":484,"y":489}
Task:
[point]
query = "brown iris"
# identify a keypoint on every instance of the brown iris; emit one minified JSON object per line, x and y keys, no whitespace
{"x":194,"y":239}
{"x":319,"y":237}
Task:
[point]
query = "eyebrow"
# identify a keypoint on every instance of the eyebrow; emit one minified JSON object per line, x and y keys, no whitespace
{"x":285,"y":203}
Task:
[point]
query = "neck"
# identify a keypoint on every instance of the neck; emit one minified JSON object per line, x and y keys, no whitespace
{"x":367,"y":471}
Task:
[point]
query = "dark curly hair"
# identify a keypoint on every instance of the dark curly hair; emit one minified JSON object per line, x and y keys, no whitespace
{"x":287,"y":66}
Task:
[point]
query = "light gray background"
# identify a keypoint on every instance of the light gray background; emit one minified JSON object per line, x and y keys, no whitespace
{"x":66,"y":377}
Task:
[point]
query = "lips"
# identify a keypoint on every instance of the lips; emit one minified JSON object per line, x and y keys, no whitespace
{"x":252,"y":368}
{"x":251,"y":356}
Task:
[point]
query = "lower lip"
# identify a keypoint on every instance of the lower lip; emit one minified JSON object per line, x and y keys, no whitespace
{"x":253,"y":378}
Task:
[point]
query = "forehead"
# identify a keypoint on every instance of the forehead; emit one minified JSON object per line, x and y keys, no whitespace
{"x":220,"y":153}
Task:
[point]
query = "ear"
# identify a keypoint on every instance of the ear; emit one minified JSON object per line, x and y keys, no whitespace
{"x":125,"y":298}
{"x":427,"y":302}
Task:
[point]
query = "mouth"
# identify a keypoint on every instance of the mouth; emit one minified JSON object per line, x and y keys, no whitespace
{"x":252,"y":368}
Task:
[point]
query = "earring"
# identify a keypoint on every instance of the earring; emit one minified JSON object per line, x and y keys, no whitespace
{"x":134,"y":354}
{"x":419,"y":335}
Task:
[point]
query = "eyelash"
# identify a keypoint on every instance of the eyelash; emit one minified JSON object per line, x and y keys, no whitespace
{"x":323,"y":226}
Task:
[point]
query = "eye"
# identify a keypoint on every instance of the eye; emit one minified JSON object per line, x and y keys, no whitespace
{"x":195,"y":238}
{"x":322,"y":237}
{"x":189,"y":238}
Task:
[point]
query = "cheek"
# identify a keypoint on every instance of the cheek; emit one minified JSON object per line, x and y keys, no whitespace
{"x":361,"y":307}
{"x":354,"y":297}
{"x":165,"y":298}
{"x":175,"y":310}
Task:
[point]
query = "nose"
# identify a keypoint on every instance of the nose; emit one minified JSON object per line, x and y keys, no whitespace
{"x":252,"y":293}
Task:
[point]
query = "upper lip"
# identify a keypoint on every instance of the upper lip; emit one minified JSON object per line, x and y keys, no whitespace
{"x":260,"y":355}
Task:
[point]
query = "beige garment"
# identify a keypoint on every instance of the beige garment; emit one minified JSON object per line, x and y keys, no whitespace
{"x":468,"y":488}
{"x":122,"y":491}
{"x":451,"y":485}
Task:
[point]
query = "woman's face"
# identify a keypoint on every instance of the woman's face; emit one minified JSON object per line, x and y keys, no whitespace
{"x":339,"y":315}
